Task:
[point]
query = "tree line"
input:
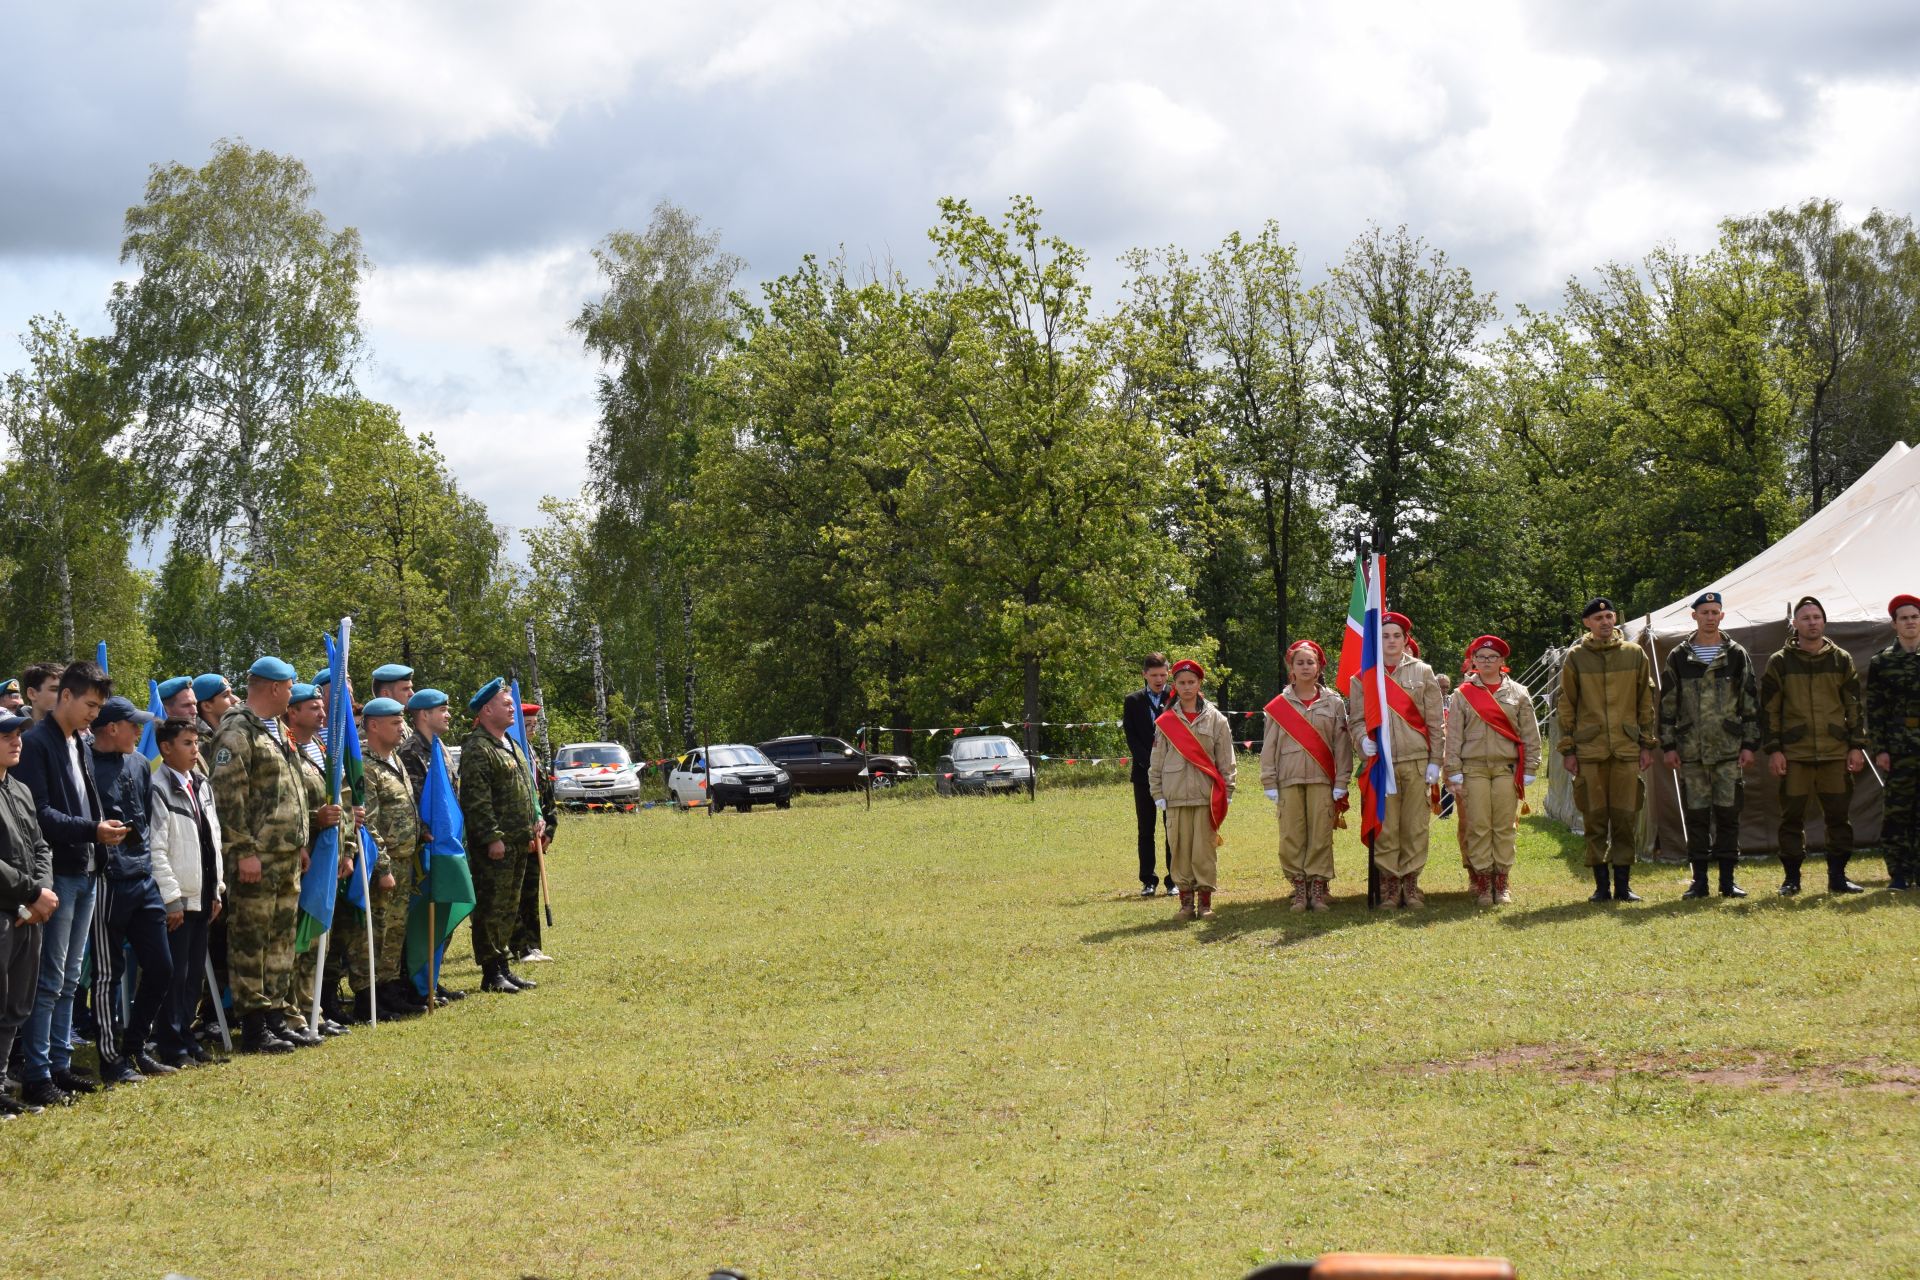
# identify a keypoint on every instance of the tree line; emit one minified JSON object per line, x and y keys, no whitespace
{"x":852,"y":497}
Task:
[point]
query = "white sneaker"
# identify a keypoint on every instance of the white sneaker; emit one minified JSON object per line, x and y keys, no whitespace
{"x":535,"y":956}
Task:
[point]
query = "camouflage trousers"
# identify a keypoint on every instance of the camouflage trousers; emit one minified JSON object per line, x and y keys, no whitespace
{"x":1712,"y":795}
{"x":1833,"y":785}
{"x":260,"y":924}
{"x":390,"y":916}
{"x":496,"y":901}
{"x":1900,"y":822}
{"x":526,"y":929}
{"x":1609,"y":794}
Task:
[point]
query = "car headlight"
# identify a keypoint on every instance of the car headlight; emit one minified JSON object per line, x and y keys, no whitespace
{"x":780,"y":775}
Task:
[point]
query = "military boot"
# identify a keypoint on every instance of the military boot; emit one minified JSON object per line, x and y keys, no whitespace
{"x":1501,"y":894}
{"x":1602,"y":890}
{"x":1204,"y":909}
{"x":494,"y":978}
{"x":1837,"y":881}
{"x":1623,"y":886}
{"x":255,"y":1038}
{"x":1410,"y":895}
{"x":1186,"y":906}
{"x":1789,"y":876}
{"x":1482,"y":884}
{"x":1728,"y":889}
{"x":1299,"y":902}
{"x":1698,"y":889}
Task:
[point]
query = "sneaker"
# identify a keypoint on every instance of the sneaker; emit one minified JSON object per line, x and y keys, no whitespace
{"x":11,"y":1107}
{"x":120,"y":1072}
{"x":45,"y":1093}
{"x":1146,"y":891}
{"x":67,"y":1080}
{"x":537,"y":956}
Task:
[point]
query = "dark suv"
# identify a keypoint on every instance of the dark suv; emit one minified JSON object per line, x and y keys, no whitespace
{"x":825,"y":764}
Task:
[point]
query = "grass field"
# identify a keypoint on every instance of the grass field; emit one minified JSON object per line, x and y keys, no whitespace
{"x":944,"y":1039}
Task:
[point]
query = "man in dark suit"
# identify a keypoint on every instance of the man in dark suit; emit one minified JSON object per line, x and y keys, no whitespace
{"x":1137,"y":715}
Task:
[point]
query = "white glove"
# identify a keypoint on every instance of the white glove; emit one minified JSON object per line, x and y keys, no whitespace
{"x":1527,"y":778}
{"x":1159,"y":804}
{"x":1272,"y":794}
{"x":1368,"y":749}
{"x":1339,"y":793}
{"x":1457,"y":779}
{"x":1433,"y":774}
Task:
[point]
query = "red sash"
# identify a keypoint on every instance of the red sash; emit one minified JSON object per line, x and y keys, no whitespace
{"x":1481,"y":699}
{"x":1301,"y":730}
{"x":1180,"y":734}
{"x":1401,"y":703}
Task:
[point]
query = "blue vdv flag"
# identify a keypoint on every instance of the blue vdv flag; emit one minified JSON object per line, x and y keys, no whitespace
{"x":445,"y":894}
{"x":149,"y":741}
{"x":319,"y":884}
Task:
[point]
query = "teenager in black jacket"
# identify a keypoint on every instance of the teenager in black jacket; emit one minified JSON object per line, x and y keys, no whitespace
{"x":1137,"y":715}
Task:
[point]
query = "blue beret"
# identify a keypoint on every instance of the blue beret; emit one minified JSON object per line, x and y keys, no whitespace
{"x":380,"y":707}
{"x":488,"y":692}
{"x":391,"y":672}
{"x":272,"y":669}
{"x":425,"y":700}
{"x":303,"y":693}
{"x":171,"y":688}
{"x":324,"y":678}
{"x":1706,"y":597}
{"x":210,"y":685}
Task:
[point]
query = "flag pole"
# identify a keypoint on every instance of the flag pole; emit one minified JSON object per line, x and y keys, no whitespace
{"x":1361,"y":550}
{"x":219,"y":1012}
{"x":433,"y":951}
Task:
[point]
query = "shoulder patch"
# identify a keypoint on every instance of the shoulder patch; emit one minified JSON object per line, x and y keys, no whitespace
{"x":223,"y":755}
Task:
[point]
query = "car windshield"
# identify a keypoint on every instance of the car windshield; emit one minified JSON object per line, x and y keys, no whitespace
{"x":986,"y":749}
{"x":724,"y":756}
{"x":590,"y":757}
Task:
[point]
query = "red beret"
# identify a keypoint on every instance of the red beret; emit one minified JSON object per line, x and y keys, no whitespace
{"x":1188,"y":664}
{"x":1399,"y":620}
{"x":1318,"y":652}
{"x":529,"y":708}
{"x":1413,"y":646}
{"x":1495,"y":643}
{"x":1898,"y":602}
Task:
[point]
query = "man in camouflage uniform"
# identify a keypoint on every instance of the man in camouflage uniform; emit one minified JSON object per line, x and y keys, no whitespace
{"x":306,"y":716}
{"x":1893,"y":736}
{"x":526,"y":929}
{"x":1815,"y":737}
{"x":1608,"y":730}
{"x":394,"y":820}
{"x":213,"y":698}
{"x":497,"y":801}
{"x":262,"y":804}
{"x":428,"y":717}
{"x":1710,"y":730}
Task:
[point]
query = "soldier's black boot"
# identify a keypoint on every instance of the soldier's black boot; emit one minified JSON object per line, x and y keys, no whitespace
{"x":1728,"y":889}
{"x":1896,"y":873}
{"x":1698,"y":889}
{"x":494,"y":978}
{"x":525,"y":984}
{"x":255,"y":1038}
{"x":1789,"y":876}
{"x":1602,"y":891}
{"x":1837,"y":881}
{"x":1623,"y":885}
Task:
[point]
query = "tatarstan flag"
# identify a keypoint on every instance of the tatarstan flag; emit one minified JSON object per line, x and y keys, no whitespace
{"x":445,"y":895}
{"x":1353,"y":640}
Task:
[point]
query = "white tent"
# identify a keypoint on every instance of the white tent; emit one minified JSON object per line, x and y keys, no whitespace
{"x":1854,"y":555}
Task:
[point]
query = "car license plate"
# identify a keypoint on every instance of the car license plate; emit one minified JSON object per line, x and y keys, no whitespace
{"x":759,"y":791}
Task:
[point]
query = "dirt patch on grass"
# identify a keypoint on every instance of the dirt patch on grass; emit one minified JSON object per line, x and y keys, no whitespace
{"x":1740,"y":1070}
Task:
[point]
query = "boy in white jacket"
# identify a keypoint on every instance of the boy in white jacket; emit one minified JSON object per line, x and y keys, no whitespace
{"x":184,"y":840}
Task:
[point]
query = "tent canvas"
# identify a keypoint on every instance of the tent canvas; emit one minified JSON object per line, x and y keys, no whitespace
{"x":1853,"y":555}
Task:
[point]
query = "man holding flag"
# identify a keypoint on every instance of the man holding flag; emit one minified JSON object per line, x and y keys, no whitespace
{"x":395,"y":822}
{"x":327,"y":860}
{"x":1415,"y":732}
{"x":444,"y":896}
{"x":497,"y":800}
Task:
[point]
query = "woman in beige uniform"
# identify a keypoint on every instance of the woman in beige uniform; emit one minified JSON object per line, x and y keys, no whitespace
{"x":1493,"y":753}
{"x":1192,"y":783}
{"x":1304,"y":763}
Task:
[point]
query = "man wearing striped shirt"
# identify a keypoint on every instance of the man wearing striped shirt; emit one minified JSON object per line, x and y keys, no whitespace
{"x":1710,"y":730}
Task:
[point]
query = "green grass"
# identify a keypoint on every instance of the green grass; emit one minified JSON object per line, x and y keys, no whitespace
{"x":942,"y":1038}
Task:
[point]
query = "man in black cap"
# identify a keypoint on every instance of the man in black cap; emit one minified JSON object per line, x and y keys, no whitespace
{"x":1710,"y":730}
{"x":1608,"y":730}
{"x":131,"y":913}
{"x":1813,"y":729}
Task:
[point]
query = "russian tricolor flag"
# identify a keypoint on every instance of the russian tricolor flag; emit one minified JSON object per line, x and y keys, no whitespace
{"x":1376,"y":784}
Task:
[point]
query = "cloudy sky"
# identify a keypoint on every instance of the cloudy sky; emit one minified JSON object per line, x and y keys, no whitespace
{"x":483,"y":146}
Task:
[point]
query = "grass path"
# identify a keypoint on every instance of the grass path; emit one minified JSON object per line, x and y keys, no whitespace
{"x":942,"y":1039}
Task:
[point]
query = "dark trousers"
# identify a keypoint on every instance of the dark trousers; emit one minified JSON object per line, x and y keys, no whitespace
{"x":526,"y":926}
{"x":173,"y":1032}
{"x":1146,"y":817}
{"x":19,"y":978}
{"x":132,"y":916}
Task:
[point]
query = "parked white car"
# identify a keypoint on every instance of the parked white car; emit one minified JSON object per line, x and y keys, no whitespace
{"x":729,"y":773}
{"x":587,"y":773}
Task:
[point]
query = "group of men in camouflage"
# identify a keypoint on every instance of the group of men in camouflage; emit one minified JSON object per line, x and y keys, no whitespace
{"x":102,"y":851}
{"x":1712,"y":717}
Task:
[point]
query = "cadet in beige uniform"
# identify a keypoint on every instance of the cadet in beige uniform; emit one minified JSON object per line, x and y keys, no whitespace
{"x":1188,"y":792}
{"x":1484,"y":765}
{"x":1304,"y":763}
{"x":1400,"y":846}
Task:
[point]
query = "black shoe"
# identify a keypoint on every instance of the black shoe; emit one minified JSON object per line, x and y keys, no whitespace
{"x":1623,"y":886}
{"x":1698,"y":889}
{"x":399,"y":999}
{"x":1602,"y":891}
{"x":10,"y":1106}
{"x":1896,"y":882}
{"x":45,"y":1093}
{"x":179,"y":1061}
{"x":329,"y":1028}
{"x":495,"y":980}
{"x":257,"y":1037}
{"x":1837,"y":881}
{"x":1728,"y":889}
{"x":525,"y":984}
{"x":1168,"y":888}
{"x":1789,"y":876}
{"x":148,"y":1065}
{"x":200,"y":1053}
{"x":300,"y":1037}
{"x":447,"y":996}
{"x":120,"y":1072}
{"x":71,"y":1081}
{"x":1147,"y":891}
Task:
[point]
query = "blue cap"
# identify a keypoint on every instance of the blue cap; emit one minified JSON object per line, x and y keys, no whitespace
{"x":1706,"y":597}
{"x":171,"y":688}
{"x":9,"y":721}
{"x":425,"y":700}
{"x":210,"y":685}
{"x":116,"y":709}
{"x":272,"y":669}
{"x":488,"y":692}
{"x":380,"y":707}
{"x":303,"y":693}
{"x":390,"y":672}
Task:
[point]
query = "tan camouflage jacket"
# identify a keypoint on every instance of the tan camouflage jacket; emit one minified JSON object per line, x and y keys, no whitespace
{"x":391,"y":814}
{"x":258,"y":791}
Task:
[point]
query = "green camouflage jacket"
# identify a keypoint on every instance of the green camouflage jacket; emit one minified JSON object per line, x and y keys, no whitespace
{"x":1810,"y":704}
{"x":391,"y":814}
{"x":493,"y":793}
{"x":258,"y":790}
{"x":1709,"y":711}
{"x":1893,"y":702}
